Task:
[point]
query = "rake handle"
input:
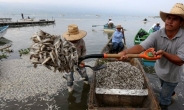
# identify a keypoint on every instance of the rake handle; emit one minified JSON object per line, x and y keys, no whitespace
{"x":118,"y":55}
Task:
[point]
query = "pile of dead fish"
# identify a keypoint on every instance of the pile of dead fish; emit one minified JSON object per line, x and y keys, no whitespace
{"x":119,"y":75}
{"x":53,"y":52}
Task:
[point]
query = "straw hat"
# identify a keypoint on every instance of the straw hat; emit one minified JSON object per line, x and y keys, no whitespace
{"x":74,"y":33}
{"x":177,"y":9}
{"x":118,"y":26}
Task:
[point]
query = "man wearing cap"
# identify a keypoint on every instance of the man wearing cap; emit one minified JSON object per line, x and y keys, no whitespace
{"x":117,"y":44}
{"x":156,"y":27}
{"x":75,"y":36}
{"x":169,"y":43}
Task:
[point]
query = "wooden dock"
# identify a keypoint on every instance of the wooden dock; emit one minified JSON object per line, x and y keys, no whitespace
{"x":5,"y":19}
{"x":27,"y":23}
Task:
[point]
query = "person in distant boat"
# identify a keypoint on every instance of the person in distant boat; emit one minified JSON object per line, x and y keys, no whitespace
{"x":169,"y":43}
{"x":28,"y":17}
{"x":110,"y":23}
{"x":22,"y":15}
{"x":117,"y":44}
{"x":145,"y":19}
{"x":156,"y":27}
{"x":75,"y":36}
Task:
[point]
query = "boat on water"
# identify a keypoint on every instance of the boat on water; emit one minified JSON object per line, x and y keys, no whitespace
{"x":3,"y":30}
{"x":139,"y":37}
{"x":151,"y":29}
{"x":27,"y":19}
{"x":109,"y":30}
{"x":145,"y":19}
{"x":119,"y":99}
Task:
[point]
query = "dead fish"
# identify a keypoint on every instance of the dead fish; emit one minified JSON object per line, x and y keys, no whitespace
{"x":53,"y":51}
{"x":46,"y":60}
{"x":38,"y":37}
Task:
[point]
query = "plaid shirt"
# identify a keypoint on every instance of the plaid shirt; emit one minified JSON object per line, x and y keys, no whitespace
{"x":81,"y":47}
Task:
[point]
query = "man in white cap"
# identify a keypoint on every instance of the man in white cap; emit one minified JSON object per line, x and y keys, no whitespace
{"x":75,"y":36}
{"x":169,"y":43}
{"x":156,"y":27}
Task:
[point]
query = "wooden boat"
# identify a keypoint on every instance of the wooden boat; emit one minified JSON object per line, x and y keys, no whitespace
{"x":27,"y":19}
{"x":139,"y":37}
{"x":3,"y":30}
{"x":123,"y":101}
{"x":109,"y":30}
{"x":151,"y":29}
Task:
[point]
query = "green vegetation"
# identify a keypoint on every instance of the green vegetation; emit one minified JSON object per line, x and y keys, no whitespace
{"x":24,"y":51}
{"x":4,"y":53}
{"x":3,"y":56}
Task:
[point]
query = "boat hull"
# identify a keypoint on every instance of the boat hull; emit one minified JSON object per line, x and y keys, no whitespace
{"x":148,"y":62}
{"x":140,"y":36}
{"x":109,"y":100}
{"x":3,"y":30}
{"x":108,"y":30}
{"x":30,"y":19}
{"x":151,"y":29}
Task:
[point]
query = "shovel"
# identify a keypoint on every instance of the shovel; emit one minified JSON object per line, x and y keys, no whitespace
{"x":146,"y":55}
{"x":97,"y":67}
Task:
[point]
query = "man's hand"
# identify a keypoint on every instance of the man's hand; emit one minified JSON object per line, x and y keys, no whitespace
{"x":160,"y":52}
{"x":123,"y":55}
{"x":81,"y":64}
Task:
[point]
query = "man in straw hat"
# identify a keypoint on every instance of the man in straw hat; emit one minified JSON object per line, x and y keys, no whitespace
{"x":169,"y":43}
{"x":75,"y":36}
{"x":117,"y":44}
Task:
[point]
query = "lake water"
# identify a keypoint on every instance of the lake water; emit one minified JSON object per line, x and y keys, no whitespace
{"x":95,"y":41}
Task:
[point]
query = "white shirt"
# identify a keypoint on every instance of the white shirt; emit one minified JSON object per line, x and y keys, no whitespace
{"x":110,"y":22}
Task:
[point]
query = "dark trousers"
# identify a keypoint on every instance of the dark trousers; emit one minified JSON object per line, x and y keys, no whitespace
{"x":117,"y":47}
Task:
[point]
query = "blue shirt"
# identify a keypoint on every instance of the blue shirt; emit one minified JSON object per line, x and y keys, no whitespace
{"x":117,"y":36}
{"x":156,"y":28}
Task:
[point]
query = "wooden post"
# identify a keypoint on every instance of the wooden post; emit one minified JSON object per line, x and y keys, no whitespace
{"x":124,"y":36}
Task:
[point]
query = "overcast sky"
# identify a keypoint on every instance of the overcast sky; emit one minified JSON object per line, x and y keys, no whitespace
{"x":122,"y":7}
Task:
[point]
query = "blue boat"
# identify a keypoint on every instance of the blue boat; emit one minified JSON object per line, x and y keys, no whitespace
{"x":3,"y":30}
{"x":107,"y":29}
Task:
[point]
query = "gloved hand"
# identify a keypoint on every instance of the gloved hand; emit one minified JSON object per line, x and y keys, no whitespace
{"x":81,"y":64}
